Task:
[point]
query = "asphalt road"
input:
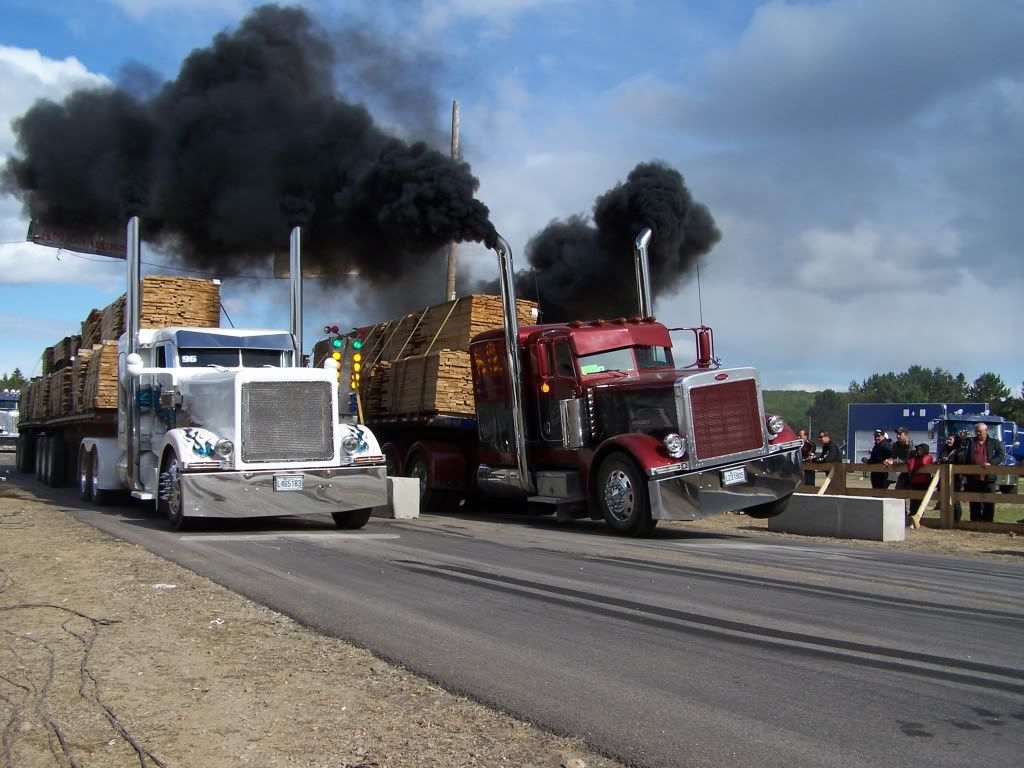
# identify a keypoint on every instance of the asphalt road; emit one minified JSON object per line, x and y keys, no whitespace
{"x":690,"y":648}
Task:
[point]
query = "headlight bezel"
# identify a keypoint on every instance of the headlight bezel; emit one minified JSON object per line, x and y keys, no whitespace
{"x":675,"y":445}
{"x":224,"y":448}
{"x":350,"y":444}
{"x":775,"y":424}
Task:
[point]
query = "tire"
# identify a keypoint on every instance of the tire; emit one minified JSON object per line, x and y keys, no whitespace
{"x":19,"y":453}
{"x":44,"y":460}
{"x":55,"y":473}
{"x":173,"y":507}
{"x":84,"y":472}
{"x":98,"y":496}
{"x":431,"y":499}
{"x":769,"y":509}
{"x":621,"y":491}
{"x":1008,"y":488}
{"x":37,"y":465}
{"x":351,"y":520}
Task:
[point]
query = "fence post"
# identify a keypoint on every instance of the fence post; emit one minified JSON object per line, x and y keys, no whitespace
{"x":839,"y":481}
{"x":946,"y":496}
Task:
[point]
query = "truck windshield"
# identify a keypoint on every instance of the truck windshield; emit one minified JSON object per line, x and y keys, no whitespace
{"x":954,"y":427}
{"x":627,"y":359}
{"x":234,"y":358}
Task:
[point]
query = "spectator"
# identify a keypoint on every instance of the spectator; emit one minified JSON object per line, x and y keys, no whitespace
{"x":807,"y":454}
{"x":829,"y":450}
{"x":984,"y":451}
{"x":919,"y":481}
{"x":901,"y":452}
{"x":950,"y":454}
{"x":880,"y":451}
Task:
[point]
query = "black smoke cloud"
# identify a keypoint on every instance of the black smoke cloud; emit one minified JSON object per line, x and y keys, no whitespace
{"x":251,"y":138}
{"x":581,"y":270}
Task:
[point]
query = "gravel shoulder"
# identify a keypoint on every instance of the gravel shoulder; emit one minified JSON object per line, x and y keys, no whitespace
{"x":111,"y":656}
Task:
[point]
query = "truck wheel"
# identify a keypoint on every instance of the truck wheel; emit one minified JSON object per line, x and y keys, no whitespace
{"x":351,"y":520}
{"x":55,"y":471}
{"x":172,"y":498}
{"x":40,"y":463}
{"x":1008,"y":488}
{"x":431,"y":499}
{"x":622,"y":495}
{"x":768,"y":509}
{"x":98,"y":496}
{"x":84,"y":471}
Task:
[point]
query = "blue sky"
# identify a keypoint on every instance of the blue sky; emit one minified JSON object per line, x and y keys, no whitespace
{"x":863,"y":159}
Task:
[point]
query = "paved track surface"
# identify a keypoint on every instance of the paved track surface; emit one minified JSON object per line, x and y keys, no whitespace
{"x":689,"y":648}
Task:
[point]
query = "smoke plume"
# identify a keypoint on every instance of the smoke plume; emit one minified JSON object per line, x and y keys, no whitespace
{"x":580,"y":270}
{"x":251,"y":138}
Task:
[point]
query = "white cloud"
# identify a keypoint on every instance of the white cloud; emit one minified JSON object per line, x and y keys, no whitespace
{"x":495,"y":15}
{"x":27,"y":75}
{"x":140,"y":8}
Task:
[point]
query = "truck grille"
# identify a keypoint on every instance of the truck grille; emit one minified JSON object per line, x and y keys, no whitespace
{"x":287,"y":421}
{"x":726,"y":419}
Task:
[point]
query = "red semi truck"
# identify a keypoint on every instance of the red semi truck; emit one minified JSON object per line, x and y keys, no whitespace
{"x":600,"y":419}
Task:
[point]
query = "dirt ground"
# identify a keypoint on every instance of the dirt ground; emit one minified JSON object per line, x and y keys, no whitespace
{"x":111,"y":656}
{"x":993,"y":546}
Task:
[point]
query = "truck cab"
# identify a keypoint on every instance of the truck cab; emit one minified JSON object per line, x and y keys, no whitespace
{"x":613,"y":420}
{"x":226,"y":421}
{"x":9,"y":418}
{"x":1001,"y":429}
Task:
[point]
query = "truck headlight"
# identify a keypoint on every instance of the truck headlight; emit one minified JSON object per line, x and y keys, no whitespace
{"x":350,"y":443}
{"x":776,"y":424}
{"x":224,"y":448}
{"x":675,"y":446}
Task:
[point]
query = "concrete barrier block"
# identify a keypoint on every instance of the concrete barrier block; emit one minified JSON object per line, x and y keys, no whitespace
{"x":403,"y":499}
{"x":843,"y":517}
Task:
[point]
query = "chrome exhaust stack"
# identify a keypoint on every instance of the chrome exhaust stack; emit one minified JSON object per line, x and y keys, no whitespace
{"x":133,"y":313}
{"x":295,"y":295}
{"x":642,"y":265}
{"x":519,"y":481}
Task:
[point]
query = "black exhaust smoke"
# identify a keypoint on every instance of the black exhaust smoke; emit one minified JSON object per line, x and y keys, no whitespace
{"x":581,"y":270}
{"x":250,"y":139}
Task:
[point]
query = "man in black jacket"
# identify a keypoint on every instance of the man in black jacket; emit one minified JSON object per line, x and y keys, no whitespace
{"x":986,"y":451}
{"x":880,"y":451}
{"x":829,"y":451}
{"x":901,"y":451}
{"x":807,"y":454}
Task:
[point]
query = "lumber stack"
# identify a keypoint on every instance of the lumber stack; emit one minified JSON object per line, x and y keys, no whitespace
{"x":92,"y":332}
{"x":63,"y":352}
{"x":47,"y":360}
{"x":41,"y":399}
{"x":419,"y":364}
{"x":78,"y":374}
{"x":440,"y":382}
{"x":100,"y":388}
{"x":179,"y":301}
{"x":112,"y":320}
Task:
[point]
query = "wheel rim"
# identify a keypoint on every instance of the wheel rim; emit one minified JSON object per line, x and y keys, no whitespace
{"x":619,"y":495}
{"x":94,"y":480}
{"x":173,"y":485}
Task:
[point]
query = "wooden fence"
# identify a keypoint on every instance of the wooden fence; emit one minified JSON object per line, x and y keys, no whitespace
{"x":942,"y":488}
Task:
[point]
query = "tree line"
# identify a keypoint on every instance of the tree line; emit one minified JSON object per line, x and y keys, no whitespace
{"x":13,"y":380}
{"x":828,"y":409}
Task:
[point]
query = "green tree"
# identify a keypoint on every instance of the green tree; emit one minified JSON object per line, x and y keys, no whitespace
{"x":828,"y":412}
{"x":989,"y":388}
{"x":915,"y":385}
{"x":790,"y":404}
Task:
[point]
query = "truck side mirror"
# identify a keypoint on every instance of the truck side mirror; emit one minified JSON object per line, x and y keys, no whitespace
{"x":133,"y":365}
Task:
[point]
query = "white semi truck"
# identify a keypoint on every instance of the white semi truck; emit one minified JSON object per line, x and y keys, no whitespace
{"x":214,"y":422}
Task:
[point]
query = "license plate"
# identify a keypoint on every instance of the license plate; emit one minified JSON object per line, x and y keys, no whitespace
{"x":734,"y":476}
{"x":288,"y":482}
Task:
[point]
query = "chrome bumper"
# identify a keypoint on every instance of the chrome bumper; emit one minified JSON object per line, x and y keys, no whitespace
{"x":694,"y":495}
{"x":252,"y":494}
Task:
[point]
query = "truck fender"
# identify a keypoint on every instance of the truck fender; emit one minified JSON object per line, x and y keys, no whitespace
{"x":395,"y":452}
{"x":190,"y":444}
{"x":109,"y":453}
{"x":446,"y":465}
{"x":647,"y":451}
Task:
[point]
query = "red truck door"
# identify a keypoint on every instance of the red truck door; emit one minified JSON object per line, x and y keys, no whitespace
{"x":558,"y":382}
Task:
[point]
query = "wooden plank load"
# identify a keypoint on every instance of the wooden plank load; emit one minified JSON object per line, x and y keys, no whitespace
{"x":78,"y":373}
{"x":63,"y":352}
{"x":100,"y":389}
{"x":419,"y":364}
{"x":92,"y":329}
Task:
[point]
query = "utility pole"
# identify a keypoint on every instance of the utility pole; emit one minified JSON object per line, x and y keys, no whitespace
{"x":450,"y":294}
